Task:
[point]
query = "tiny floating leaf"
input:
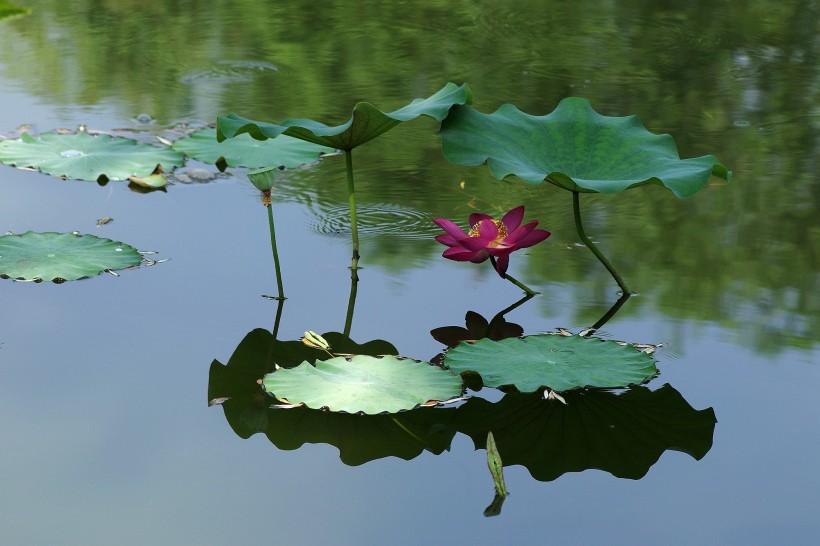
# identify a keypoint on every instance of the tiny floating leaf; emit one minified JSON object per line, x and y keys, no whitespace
{"x":152,"y":181}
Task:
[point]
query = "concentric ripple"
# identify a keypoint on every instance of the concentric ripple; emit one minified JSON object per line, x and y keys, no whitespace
{"x":228,"y":71}
{"x":376,"y":219}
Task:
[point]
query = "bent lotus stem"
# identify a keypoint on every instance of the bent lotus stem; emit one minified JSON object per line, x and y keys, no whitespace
{"x":279,"y":307}
{"x":529,"y":291}
{"x":500,"y":315}
{"x":576,"y":208}
{"x":266,"y":201}
{"x":610,"y":313}
{"x":351,"y":200}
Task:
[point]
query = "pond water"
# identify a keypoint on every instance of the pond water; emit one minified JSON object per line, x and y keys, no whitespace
{"x":104,"y":382}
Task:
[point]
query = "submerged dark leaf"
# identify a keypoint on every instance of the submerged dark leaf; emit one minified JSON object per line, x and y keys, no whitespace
{"x":623,"y":434}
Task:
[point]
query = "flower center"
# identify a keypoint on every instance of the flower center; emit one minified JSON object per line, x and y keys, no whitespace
{"x":502,"y":230}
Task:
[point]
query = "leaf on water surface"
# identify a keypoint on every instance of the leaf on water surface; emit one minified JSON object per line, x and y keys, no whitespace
{"x":574,"y":148}
{"x":152,"y":181}
{"x":549,"y":360}
{"x":62,"y":256}
{"x":364,"y":384}
{"x":359,"y":438}
{"x":245,"y":151}
{"x":259,"y":353}
{"x":82,"y":156}
{"x":366,"y":123}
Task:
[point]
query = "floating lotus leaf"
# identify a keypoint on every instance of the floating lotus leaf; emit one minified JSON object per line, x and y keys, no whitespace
{"x":555,"y":361}
{"x":62,"y":256}
{"x":623,"y":434}
{"x":245,"y":151}
{"x":366,"y":123}
{"x":574,"y":148}
{"x":82,"y":156}
{"x":259,"y":353}
{"x":363,"y":384}
{"x":152,"y":181}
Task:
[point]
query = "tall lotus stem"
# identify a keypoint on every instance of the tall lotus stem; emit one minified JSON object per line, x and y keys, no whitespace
{"x":576,"y":207}
{"x":266,"y":200}
{"x":351,"y":302}
{"x":279,"y":307}
{"x":351,"y":200}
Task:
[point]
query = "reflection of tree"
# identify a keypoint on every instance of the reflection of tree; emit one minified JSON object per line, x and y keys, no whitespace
{"x":623,"y":434}
{"x":744,"y":255}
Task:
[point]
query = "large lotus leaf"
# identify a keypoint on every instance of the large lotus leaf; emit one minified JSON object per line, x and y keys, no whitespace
{"x":62,"y":256}
{"x":245,"y":151}
{"x":623,"y":434}
{"x":366,"y":123}
{"x":574,"y":148}
{"x":259,"y":353}
{"x":555,"y":361}
{"x":363,"y":384}
{"x":82,"y":156}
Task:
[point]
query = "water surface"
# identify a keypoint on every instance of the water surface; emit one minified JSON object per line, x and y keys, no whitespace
{"x":103,"y":394}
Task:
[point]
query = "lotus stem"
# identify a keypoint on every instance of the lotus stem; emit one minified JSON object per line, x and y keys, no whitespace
{"x":576,"y":208}
{"x":529,"y":291}
{"x":279,"y":307}
{"x":351,"y":199}
{"x":275,"y":253}
{"x":351,"y":302}
{"x":500,"y":315}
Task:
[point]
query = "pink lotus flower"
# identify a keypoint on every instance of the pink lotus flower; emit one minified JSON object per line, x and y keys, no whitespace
{"x":489,"y":238}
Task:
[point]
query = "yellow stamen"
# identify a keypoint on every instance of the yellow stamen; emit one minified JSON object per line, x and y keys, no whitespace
{"x":502,"y":230}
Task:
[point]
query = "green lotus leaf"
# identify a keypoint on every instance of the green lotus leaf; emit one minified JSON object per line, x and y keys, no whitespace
{"x":574,"y":148}
{"x":62,"y":256}
{"x":245,"y":151}
{"x":623,"y":434}
{"x":10,"y":10}
{"x":555,"y":361}
{"x":152,"y":181}
{"x":82,"y":156}
{"x":259,"y":353}
{"x":366,"y":123}
{"x":363,"y":384}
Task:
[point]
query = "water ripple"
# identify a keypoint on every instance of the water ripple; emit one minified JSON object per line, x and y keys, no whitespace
{"x":376,"y":219}
{"x":228,"y":71}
